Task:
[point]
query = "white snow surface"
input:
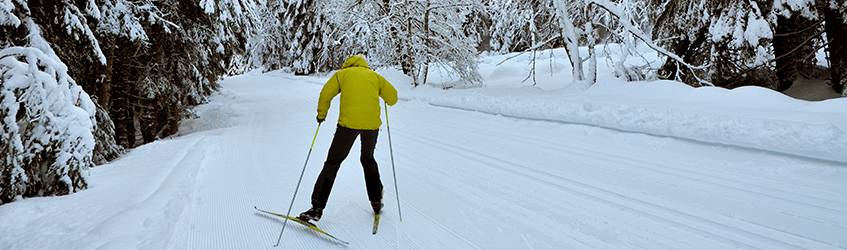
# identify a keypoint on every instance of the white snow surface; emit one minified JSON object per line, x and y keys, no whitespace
{"x":749,"y":117}
{"x":707,"y":177}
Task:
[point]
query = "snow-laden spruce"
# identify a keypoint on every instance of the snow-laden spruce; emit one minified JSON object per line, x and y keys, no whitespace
{"x":47,"y":139}
{"x":144,"y":62}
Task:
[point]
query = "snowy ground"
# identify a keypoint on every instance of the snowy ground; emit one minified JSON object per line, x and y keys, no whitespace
{"x":472,"y":180}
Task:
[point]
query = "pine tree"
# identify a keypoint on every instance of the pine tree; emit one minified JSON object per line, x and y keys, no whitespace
{"x":175,"y":60}
{"x":268,"y":44}
{"x":48,"y":119}
{"x":306,"y":36}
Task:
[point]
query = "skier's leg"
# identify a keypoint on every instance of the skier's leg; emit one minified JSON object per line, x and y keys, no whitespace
{"x":372,"y":180}
{"x":341,"y":144}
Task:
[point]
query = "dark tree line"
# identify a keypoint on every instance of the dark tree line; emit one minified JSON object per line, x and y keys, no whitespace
{"x":143,"y":63}
{"x":775,"y":60}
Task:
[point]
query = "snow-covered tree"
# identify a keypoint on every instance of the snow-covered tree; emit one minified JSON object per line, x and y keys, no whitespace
{"x":307,"y":36}
{"x":570,"y":34}
{"x":145,"y":62}
{"x":744,"y":41}
{"x":185,"y":52}
{"x":411,"y":34}
{"x":523,"y":24}
{"x":268,"y":50}
{"x":529,"y":25}
{"x":434,"y":35}
{"x":48,"y":119}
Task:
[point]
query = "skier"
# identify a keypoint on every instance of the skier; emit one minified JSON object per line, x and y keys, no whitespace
{"x":360,"y":89}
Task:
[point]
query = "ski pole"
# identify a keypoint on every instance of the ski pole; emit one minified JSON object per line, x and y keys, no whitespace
{"x":393,"y":170}
{"x":287,"y":214}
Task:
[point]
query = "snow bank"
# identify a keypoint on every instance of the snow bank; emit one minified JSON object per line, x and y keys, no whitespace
{"x":749,"y":117}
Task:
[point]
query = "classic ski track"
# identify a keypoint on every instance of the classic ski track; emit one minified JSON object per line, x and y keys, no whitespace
{"x":420,"y":171}
{"x":462,"y":185}
{"x":536,"y":138}
{"x":538,"y":221}
{"x":693,"y":173}
{"x":443,"y":227}
{"x":494,"y":161}
{"x":191,"y":194}
{"x":626,"y":162}
{"x":167,"y":177}
{"x":793,"y":210}
{"x":662,"y":169}
{"x":448,"y":124}
{"x":536,"y":177}
{"x":624,"y":130}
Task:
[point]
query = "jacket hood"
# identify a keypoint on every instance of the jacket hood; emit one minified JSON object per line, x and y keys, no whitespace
{"x":355,"y":61}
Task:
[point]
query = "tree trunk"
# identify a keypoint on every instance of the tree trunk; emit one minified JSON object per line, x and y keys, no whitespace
{"x":792,"y":48}
{"x":571,"y":43}
{"x":425,"y":71}
{"x":836,"y":32}
{"x":105,"y":89}
{"x":591,"y":71}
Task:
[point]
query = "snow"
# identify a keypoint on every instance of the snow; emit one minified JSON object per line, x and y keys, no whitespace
{"x":757,"y":29}
{"x":118,"y":19}
{"x":749,"y":117}
{"x":208,"y":6}
{"x":474,"y":180}
{"x":7,"y":16}
{"x":804,"y":7}
{"x":74,"y":20}
{"x":91,"y":9}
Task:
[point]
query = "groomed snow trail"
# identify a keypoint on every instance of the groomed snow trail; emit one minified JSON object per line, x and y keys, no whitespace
{"x":467,"y":181}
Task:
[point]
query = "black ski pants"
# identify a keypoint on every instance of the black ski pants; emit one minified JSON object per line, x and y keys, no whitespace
{"x":338,"y":151}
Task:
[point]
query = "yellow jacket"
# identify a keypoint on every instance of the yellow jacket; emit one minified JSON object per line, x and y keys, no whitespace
{"x":360,"y":89}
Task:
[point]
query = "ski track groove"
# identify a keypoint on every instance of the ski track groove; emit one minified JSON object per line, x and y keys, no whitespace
{"x":534,"y":178}
{"x":536,"y":138}
{"x":648,"y":205}
{"x":690,"y":175}
{"x":443,"y":227}
{"x":167,"y":177}
{"x":547,"y":172}
{"x":693,"y":174}
{"x":790,"y":204}
{"x":620,"y":158}
{"x":540,"y":220}
{"x":186,"y":213}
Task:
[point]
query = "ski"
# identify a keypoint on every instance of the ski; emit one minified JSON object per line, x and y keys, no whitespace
{"x":308,"y":225}
{"x":376,"y":223}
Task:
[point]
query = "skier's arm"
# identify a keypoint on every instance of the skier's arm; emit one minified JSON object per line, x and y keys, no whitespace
{"x":329,"y":91}
{"x":387,"y":91}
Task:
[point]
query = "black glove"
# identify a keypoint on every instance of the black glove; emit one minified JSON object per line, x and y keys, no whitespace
{"x":320,"y":120}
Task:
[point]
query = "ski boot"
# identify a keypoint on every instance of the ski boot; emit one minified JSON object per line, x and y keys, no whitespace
{"x":377,"y":206}
{"x":312,"y":215}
